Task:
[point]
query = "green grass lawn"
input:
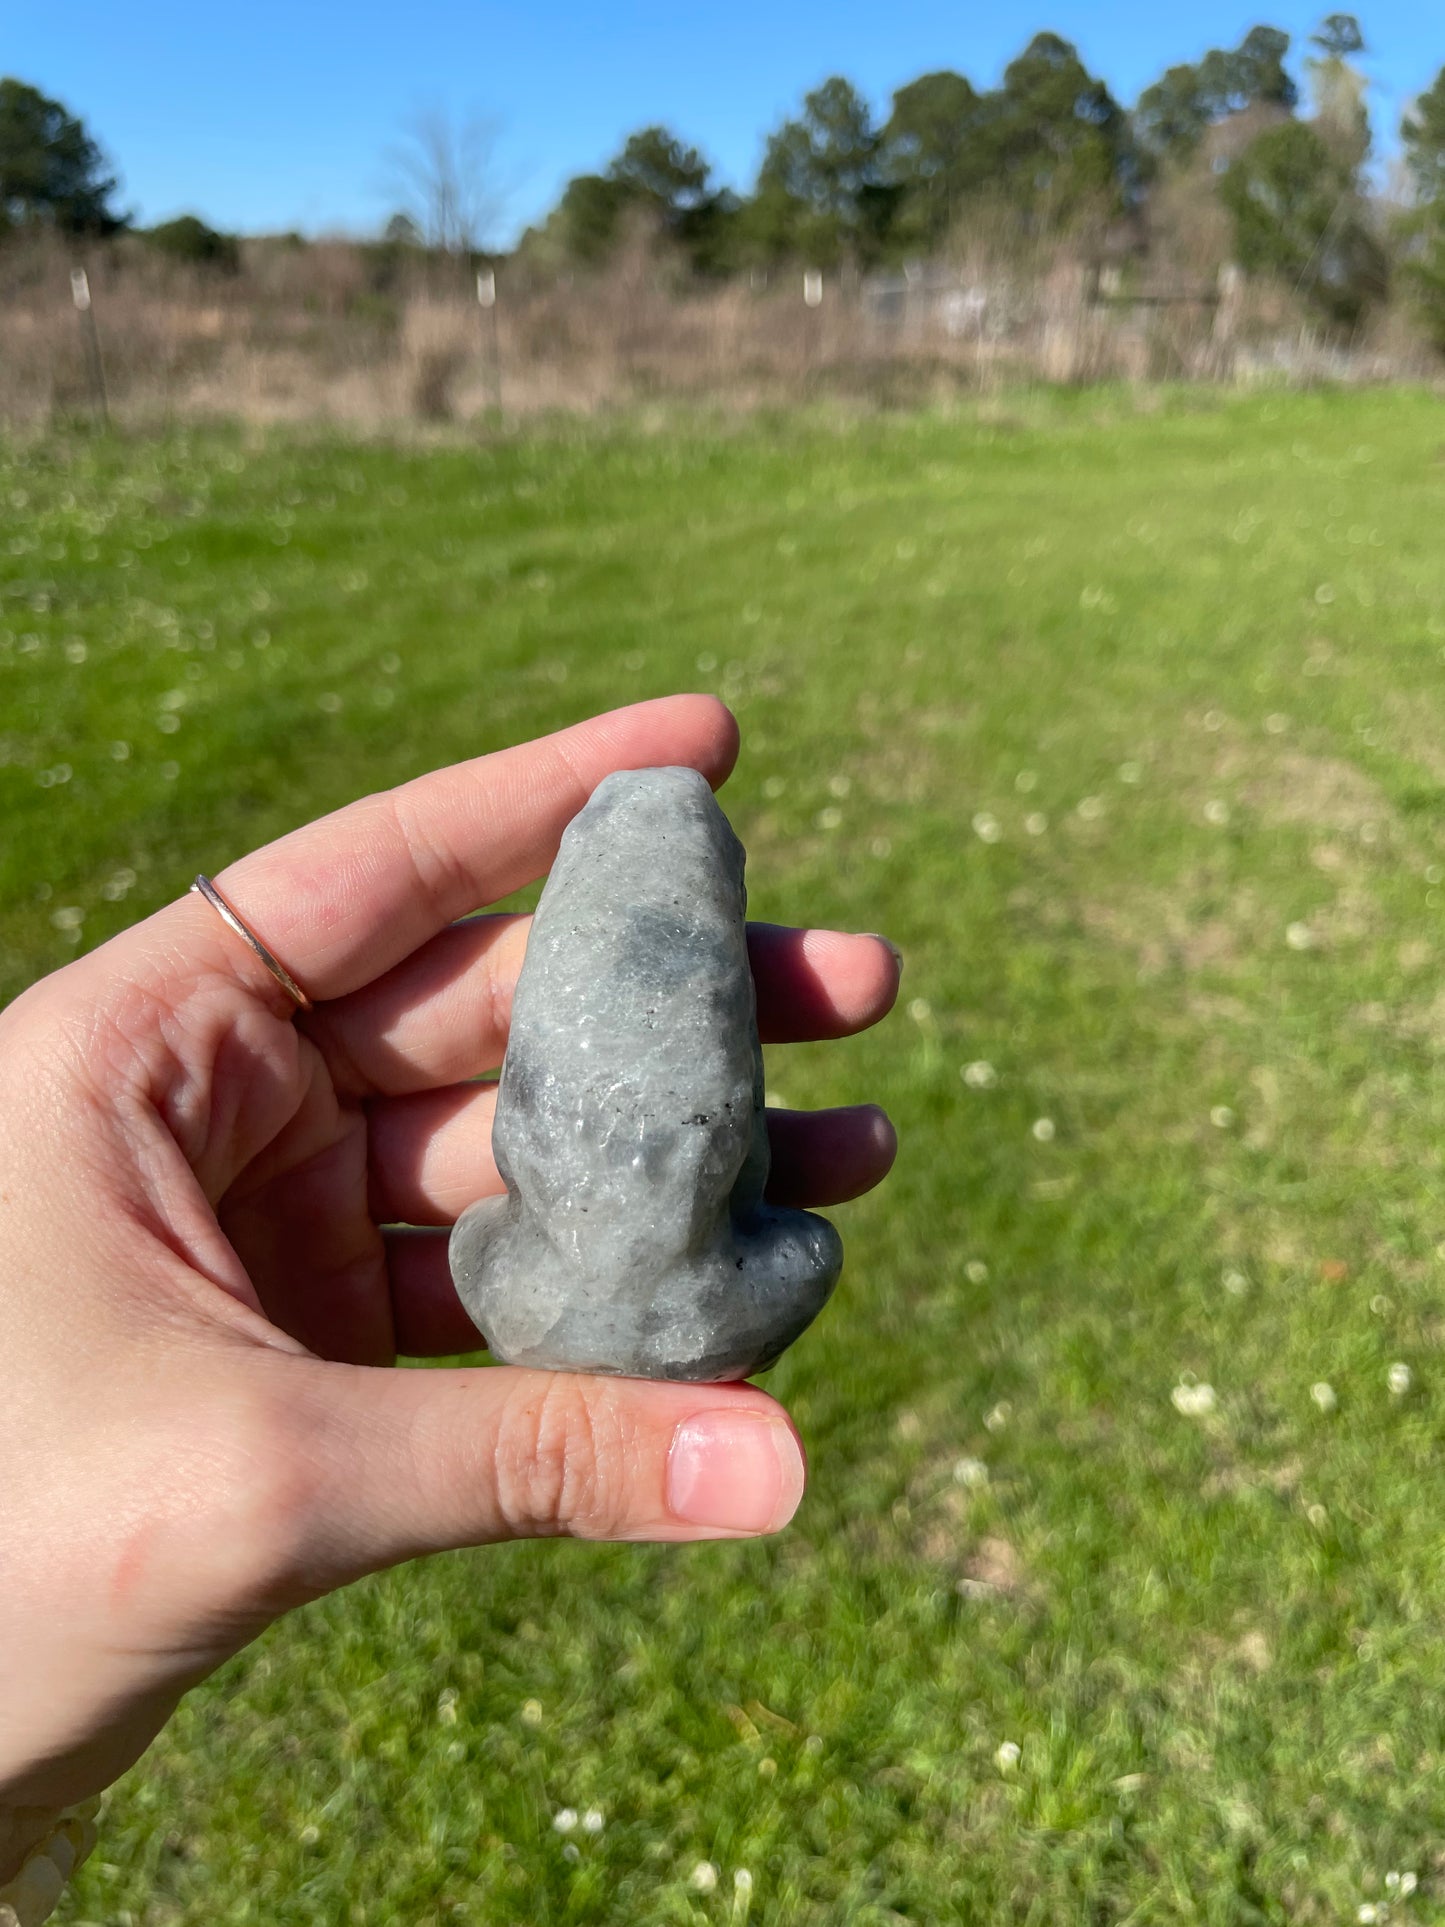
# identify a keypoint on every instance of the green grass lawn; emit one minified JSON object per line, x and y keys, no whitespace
{"x":1119,"y":1593}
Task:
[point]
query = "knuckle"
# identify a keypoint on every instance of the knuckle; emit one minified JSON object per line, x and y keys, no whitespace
{"x":561,"y":1458}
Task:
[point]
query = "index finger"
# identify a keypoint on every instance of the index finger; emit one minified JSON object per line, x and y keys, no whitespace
{"x":348,"y":896}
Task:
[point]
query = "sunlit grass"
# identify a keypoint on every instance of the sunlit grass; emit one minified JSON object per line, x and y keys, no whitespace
{"x":1118,"y":1591}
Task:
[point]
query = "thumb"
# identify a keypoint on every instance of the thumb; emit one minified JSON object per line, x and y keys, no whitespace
{"x":407,"y":1462}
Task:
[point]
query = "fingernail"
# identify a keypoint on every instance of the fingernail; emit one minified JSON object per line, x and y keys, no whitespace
{"x":734,"y":1472}
{"x":888,"y":944}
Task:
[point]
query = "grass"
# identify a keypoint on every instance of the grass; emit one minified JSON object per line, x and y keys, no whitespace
{"x":1129,"y":725}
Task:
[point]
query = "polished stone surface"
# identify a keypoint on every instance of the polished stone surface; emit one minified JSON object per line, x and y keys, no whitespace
{"x":630,"y":1127}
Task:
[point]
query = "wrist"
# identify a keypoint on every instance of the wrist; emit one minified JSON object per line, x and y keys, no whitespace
{"x":40,"y":1848}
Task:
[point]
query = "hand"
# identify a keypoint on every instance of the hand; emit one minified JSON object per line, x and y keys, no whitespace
{"x":202,"y":1307}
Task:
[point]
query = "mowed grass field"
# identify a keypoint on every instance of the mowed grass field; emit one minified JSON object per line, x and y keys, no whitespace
{"x":1119,"y":1591}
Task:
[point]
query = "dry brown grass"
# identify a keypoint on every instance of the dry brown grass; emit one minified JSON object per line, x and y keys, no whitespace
{"x":341,"y":332}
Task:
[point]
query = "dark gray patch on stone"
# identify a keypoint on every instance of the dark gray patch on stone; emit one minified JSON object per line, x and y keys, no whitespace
{"x":630,"y":1127}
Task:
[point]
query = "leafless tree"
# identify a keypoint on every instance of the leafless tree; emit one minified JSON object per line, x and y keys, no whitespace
{"x":441,"y":172}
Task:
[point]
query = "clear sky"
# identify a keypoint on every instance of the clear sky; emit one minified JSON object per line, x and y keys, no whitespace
{"x":264,"y":116}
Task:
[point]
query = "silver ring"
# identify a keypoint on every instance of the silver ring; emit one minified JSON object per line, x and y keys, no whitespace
{"x":203,"y":886}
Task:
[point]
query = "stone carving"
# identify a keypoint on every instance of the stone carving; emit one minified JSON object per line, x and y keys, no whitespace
{"x":630,"y":1131}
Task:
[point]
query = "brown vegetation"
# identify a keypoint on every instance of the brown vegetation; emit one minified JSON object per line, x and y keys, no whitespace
{"x":372,"y":335}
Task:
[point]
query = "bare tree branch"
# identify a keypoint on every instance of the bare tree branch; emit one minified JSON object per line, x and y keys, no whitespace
{"x":441,"y":173}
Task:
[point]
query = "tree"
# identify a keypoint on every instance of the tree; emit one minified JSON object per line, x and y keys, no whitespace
{"x":1055,"y":136}
{"x":1423,"y":137}
{"x":587,"y":217}
{"x":1339,"y":89}
{"x":1297,"y":215}
{"x":932,"y":155}
{"x":52,"y":174}
{"x":822,"y":193}
{"x":670,"y":181}
{"x":1338,"y":36}
{"x":441,"y":170}
{"x":1171,"y":116}
{"x":190,"y":239}
{"x":656,"y":176}
{"x":657,"y":168}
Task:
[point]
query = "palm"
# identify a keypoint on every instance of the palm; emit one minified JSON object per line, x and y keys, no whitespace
{"x":299,"y":1218}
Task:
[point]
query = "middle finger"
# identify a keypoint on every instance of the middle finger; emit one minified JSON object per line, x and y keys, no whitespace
{"x":442,"y":1015}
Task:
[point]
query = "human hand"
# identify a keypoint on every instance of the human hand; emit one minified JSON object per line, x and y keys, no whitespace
{"x":202,"y":1305}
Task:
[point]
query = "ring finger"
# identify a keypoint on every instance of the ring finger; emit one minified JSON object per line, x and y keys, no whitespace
{"x":431,"y":1154}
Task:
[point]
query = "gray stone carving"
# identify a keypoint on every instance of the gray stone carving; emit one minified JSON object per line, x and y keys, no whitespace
{"x":630,"y":1129}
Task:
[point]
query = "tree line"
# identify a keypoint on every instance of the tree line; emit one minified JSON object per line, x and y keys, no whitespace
{"x":1047,"y":156}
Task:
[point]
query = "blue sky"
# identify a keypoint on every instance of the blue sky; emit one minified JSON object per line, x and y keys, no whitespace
{"x":270,"y":116}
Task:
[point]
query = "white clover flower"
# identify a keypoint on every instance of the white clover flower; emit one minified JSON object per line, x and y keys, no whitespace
{"x":976,"y":1271}
{"x":1091,"y":808}
{"x":880,"y":847}
{"x":565,"y":1819}
{"x":1299,"y":936}
{"x":1367,"y":1914}
{"x":1324,"y":1396}
{"x":742,"y":1882}
{"x":706,"y":664}
{"x":999,"y":1417}
{"x":1399,"y":1378}
{"x":593,"y":1820}
{"x":775,"y":787}
{"x":75,"y":652}
{"x":1193,"y":1401}
{"x":1276,"y":725}
{"x":1025,"y":781}
{"x":1131,"y":772}
{"x":1007,"y":1755}
{"x":1235,"y":1283}
{"x":309,"y":1835}
{"x":532,"y":1714}
{"x":980,"y":1075}
{"x":987,"y":828}
{"x":920,"y":1010}
{"x":828,"y":819}
{"x":120,"y":752}
{"x":839,"y":785}
{"x":572,"y":1852}
{"x":447,"y":1706}
{"x":1213,"y":720}
{"x":68,"y":919}
{"x":970,"y":1473}
{"x":1036,"y":822}
{"x":1216,"y":811}
{"x":1221,"y":1117}
{"x":703,"y":1878}
{"x":1042,"y":1130}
